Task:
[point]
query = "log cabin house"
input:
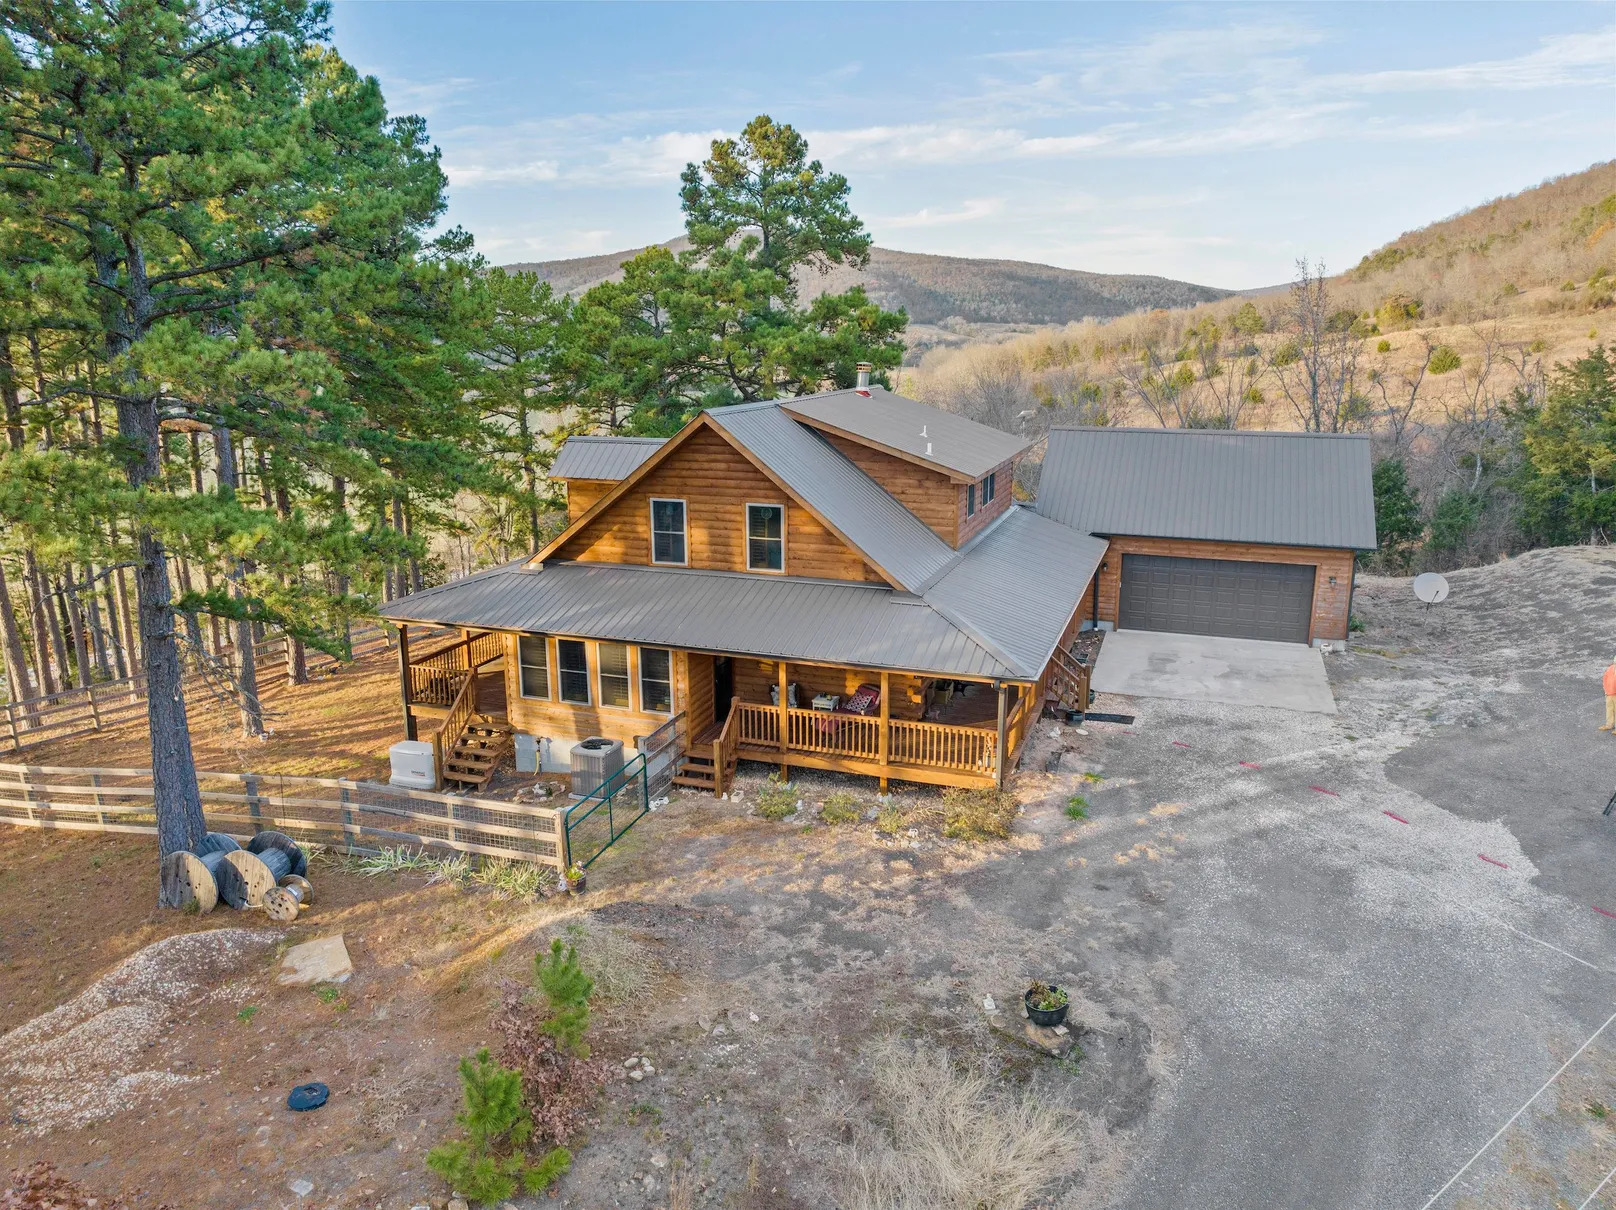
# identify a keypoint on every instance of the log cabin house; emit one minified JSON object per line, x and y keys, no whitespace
{"x":844,"y":581}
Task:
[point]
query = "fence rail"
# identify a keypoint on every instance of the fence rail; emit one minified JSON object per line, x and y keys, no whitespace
{"x":70,"y":713}
{"x":357,"y":816}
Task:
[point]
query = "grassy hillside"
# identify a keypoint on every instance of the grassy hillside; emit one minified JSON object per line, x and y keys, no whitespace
{"x":1525,"y":279}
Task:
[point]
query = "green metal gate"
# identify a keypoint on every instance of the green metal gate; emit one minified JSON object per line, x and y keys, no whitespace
{"x":595,"y":823}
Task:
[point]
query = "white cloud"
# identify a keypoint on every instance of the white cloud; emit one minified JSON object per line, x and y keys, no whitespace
{"x":970,"y":211}
{"x":1559,"y":61}
{"x":646,"y":160}
{"x":470,"y":174}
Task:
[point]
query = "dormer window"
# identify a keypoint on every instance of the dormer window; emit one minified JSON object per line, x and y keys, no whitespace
{"x":668,"y":541}
{"x":765,"y":537}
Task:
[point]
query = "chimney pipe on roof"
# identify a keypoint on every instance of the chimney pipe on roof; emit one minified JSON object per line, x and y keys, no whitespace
{"x":864,"y":369}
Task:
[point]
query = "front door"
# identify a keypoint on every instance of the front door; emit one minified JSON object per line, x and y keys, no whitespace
{"x":723,"y":686}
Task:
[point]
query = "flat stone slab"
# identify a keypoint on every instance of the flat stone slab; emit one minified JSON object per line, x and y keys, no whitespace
{"x":1057,"y":1043}
{"x":1207,"y":668}
{"x":323,"y":960}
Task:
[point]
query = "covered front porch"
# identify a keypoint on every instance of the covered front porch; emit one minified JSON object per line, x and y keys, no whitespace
{"x":938,"y":731}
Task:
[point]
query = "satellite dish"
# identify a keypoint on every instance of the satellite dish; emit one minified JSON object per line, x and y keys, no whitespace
{"x":1431,"y":588}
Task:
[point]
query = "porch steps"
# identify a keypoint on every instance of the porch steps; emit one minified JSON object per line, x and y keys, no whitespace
{"x":478,"y":752}
{"x":696,"y":771}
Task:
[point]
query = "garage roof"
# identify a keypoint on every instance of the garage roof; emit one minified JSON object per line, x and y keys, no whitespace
{"x":1272,"y":489}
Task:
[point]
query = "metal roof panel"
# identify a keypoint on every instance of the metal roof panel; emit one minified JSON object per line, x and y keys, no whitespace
{"x":605,"y":458}
{"x":945,"y":439}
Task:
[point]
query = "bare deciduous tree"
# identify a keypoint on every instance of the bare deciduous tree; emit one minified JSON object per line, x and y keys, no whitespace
{"x":1316,"y":366}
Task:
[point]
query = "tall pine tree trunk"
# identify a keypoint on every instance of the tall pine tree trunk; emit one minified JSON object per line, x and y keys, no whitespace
{"x":252,"y":710}
{"x":339,"y":496}
{"x":75,"y":626}
{"x":33,"y":585}
{"x":17,"y":680}
{"x":98,"y":634}
{"x":297,"y":658}
{"x":179,"y":801}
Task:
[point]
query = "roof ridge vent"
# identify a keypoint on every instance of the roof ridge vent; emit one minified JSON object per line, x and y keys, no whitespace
{"x":928,"y":449}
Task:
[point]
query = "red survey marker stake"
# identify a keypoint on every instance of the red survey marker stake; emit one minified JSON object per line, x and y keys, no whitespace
{"x":1179,"y":744}
{"x":1322,"y":790}
{"x":1492,"y":861}
{"x":1396,"y":816}
{"x":1603,"y":912}
{"x":1246,"y":764}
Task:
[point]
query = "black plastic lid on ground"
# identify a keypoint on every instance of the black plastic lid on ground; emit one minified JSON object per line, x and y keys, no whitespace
{"x":307,"y":1096}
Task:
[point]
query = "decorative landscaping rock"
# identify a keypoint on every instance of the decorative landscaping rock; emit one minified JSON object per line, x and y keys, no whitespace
{"x":323,"y":960}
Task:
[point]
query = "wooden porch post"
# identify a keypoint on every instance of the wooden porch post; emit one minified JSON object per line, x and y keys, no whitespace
{"x":785,"y":723}
{"x":999,"y":753}
{"x":886,"y":728}
{"x":404,"y":678}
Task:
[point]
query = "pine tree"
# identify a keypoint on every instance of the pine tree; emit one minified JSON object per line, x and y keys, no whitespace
{"x":200,"y":188}
{"x":488,"y":1164}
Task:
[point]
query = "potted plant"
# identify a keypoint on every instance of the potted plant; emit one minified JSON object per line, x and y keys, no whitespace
{"x":1046,"y":1004}
{"x":576,"y":879}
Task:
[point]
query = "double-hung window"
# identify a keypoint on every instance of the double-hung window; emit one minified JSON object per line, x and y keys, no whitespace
{"x":656,"y":680}
{"x":765,"y":537}
{"x":613,"y":661}
{"x":970,"y":500}
{"x":533,"y":658}
{"x":988,"y":486}
{"x":572,"y":660}
{"x":668,"y":539}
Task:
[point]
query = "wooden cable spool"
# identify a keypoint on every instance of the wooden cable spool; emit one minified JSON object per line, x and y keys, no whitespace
{"x":186,"y":879}
{"x":245,"y":877}
{"x":270,"y":839}
{"x":216,"y":842}
{"x":283,"y":903}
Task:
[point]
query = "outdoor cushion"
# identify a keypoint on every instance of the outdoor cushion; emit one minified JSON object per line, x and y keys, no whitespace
{"x":864,"y":701}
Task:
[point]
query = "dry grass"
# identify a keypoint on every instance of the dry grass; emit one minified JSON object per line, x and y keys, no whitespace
{"x":955,"y":1140}
{"x":985,"y":814}
{"x":622,"y":967}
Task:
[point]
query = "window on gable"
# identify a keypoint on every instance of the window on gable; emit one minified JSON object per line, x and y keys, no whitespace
{"x":988,"y":486}
{"x":656,"y":680}
{"x":572,"y":660}
{"x":668,"y":543}
{"x":613,"y":659}
{"x":970,"y":500}
{"x":533,"y":657}
{"x":765,"y":537}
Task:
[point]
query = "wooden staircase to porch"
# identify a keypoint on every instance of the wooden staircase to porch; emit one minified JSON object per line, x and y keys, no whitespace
{"x":483,"y":743}
{"x":709,"y":763}
{"x":1066,"y":683}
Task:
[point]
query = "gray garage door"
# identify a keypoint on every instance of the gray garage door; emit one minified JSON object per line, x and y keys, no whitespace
{"x":1217,"y":596}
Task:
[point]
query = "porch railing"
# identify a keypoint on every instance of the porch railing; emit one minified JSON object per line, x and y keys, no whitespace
{"x":858,"y":737}
{"x":436,"y":679}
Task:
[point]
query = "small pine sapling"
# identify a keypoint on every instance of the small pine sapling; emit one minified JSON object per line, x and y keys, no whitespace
{"x":489,"y":1163}
{"x":564,"y":984}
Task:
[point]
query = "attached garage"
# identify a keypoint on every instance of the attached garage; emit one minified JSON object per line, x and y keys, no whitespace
{"x":1228,"y":597}
{"x":1237,"y":534}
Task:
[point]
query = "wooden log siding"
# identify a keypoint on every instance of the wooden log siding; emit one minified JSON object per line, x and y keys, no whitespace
{"x":930,"y":494}
{"x":716,"y":482}
{"x":1330,"y":602}
{"x":356,"y":816}
{"x":1003,"y":491}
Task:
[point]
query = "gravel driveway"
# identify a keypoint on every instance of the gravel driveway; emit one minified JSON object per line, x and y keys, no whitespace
{"x":1383,"y":924}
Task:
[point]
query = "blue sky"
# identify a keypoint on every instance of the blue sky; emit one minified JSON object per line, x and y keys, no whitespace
{"x":1210,"y":143}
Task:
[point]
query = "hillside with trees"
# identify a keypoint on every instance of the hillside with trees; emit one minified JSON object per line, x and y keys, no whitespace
{"x":1452,"y":346}
{"x":950,"y":300}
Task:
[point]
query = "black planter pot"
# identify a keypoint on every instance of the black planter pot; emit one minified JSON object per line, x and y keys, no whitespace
{"x":1047,"y":1017}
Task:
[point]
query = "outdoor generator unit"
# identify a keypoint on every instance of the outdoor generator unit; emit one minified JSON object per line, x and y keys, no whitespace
{"x":413,"y":766}
{"x":594,"y":760}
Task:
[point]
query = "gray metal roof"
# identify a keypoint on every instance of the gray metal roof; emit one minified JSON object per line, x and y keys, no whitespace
{"x":770,"y":617}
{"x":610,"y":458}
{"x":998,"y":612}
{"x":1278,"y":489}
{"x":856,"y":505}
{"x":1019,"y":584}
{"x":952,"y":442}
